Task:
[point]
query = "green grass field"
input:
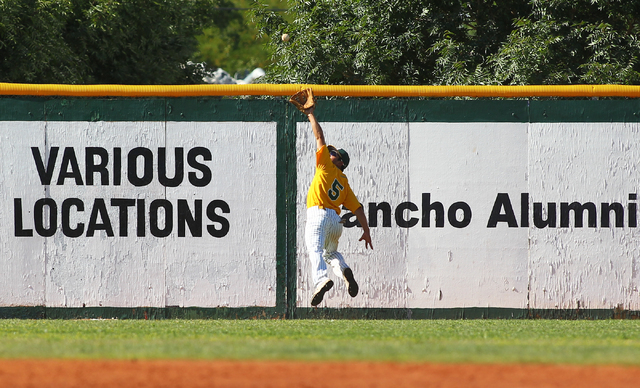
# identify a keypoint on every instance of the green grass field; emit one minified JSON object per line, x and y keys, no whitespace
{"x":503,"y":341}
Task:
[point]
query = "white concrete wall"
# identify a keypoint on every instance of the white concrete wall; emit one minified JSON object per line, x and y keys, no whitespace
{"x":477,"y":264}
{"x":465,"y":263}
{"x":474,"y":265}
{"x":133,"y":267}
{"x":22,"y":259}
{"x":585,"y":267}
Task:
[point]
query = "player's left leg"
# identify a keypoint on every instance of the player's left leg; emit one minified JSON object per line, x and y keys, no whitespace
{"x":341,"y":269}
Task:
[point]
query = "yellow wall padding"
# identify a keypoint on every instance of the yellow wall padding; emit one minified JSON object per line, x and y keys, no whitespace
{"x":12,"y":89}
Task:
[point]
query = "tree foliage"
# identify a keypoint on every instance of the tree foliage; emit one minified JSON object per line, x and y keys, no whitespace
{"x":104,"y":41}
{"x":454,"y":41}
{"x":237,"y":47}
{"x":573,"y":41}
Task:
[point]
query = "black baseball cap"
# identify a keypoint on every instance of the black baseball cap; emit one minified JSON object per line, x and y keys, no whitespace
{"x":343,"y":155}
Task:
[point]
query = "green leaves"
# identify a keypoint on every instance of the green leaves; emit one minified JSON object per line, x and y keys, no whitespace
{"x":455,"y":42}
{"x":31,"y":44}
{"x":104,"y":41}
{"x":410,"y":42}
{"x":572,"y":42}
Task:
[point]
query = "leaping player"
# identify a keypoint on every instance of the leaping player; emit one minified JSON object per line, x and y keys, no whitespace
{"x":328,"y":191}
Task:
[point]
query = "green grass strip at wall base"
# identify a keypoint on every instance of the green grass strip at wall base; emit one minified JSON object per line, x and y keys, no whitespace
{"x":158,"y":313}
{"x":592,"y":342}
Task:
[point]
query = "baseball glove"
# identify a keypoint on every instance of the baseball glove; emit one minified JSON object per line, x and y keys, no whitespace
{"x":303,"y":100}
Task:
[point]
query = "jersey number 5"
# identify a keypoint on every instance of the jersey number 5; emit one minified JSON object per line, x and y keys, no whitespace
{"x":334,"y":191}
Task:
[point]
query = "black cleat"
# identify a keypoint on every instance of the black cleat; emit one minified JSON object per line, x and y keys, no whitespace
{"x":352,"y":286}
{"x":320,"y":291}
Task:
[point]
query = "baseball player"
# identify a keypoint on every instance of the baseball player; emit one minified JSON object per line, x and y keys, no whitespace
{"x":328,"y":191}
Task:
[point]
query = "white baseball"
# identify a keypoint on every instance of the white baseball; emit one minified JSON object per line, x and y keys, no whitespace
{"x":285,"y":37}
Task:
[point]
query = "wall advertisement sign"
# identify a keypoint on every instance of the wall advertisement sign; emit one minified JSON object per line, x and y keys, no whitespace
{"x":493,"y":214}
{"x":138,"y":214}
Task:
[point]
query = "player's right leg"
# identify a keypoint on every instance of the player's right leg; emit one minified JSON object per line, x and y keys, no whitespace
{"x":315,"y":240}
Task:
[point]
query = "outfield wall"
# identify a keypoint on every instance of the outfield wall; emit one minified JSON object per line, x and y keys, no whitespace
{"x":195,"y":207}
{"x":514,"y":215}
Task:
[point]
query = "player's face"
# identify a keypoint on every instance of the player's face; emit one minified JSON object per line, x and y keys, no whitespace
{"x":336,"y":159}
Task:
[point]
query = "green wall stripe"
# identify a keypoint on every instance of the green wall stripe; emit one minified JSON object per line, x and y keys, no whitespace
{"x":104,"y":110}
{"x":40,"y":312}
{"x":468,"y":111}
{"x":464,"y":313}
{"x":346,"y":110}
{"x":284,"y":150}
{"x":359,"y":110}
{"x":22,"y":109}
{"x":434,"y":313}
{"x":224,"y":109}
{"x":585,"y":111}
{"x":290,"y":134}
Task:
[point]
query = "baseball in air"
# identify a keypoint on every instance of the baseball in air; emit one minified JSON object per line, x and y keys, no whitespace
{"x":285,"y":37}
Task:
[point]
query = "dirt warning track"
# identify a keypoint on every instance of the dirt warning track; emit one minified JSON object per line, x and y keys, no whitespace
{"x":238,"y":374}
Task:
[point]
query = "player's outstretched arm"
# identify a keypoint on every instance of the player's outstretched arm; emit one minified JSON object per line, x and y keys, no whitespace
{"x":366,"y":235}
{"x":317,"y":130}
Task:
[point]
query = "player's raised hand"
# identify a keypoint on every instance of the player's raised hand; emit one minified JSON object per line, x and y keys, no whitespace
{"x":367,"y":240}
{"x":309,"y":111}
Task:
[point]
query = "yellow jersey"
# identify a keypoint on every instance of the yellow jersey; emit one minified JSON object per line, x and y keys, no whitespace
{"x":330,"y":187}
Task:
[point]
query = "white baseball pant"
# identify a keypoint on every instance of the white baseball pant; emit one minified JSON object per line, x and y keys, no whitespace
{"x":322,"y":232}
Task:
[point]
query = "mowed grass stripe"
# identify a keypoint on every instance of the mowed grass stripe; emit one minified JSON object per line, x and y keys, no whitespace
{"x":501,"y":341}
